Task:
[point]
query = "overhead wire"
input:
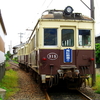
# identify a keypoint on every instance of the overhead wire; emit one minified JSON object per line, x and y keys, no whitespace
{"x":43,"y":3}
{"x":38,"y":12}
{"x":41,"y":6}
{"x":49,"y":4}
{"x":46,"y":7}
{"x":85,"y":4}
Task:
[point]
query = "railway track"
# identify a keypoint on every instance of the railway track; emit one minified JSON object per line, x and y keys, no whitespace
{"x":46,"y":95}
{"x":59,"y":94}
{"x":12,"y":63}
{"x":66,"y":95}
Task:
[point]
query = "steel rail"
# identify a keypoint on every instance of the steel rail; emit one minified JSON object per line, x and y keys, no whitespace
{"x":87,"y":97}
{"x":46,"y":95}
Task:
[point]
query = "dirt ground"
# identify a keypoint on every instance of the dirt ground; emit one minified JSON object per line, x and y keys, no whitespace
{"x":29,"y":90}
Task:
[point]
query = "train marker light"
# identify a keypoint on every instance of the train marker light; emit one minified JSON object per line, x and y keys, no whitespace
{"x":91,"y":59}
{"x":44,"y":59}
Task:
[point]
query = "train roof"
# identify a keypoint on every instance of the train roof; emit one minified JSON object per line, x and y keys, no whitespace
{"x":59,"y":14}
{"x":20,"y":45}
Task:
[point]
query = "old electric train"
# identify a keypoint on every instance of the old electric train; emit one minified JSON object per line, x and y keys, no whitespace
{"x":60,"y":49}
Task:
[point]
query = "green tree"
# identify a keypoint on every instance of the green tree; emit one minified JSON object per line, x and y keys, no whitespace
{"x":97,"y":53}
{"x":8,"y":55}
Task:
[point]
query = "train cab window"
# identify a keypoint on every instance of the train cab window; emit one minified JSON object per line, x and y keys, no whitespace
{"x":84,"y":38}
{"x":50,"y":37}
{"x":67,"y":37}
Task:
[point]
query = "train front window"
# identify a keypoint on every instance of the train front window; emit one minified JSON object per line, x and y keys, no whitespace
{"x":50,"y":37}
{"x":67,"y":37}
{"x":84,"y":38}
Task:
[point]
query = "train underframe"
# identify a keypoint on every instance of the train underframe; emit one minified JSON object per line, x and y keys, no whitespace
{"x":69,"y":78}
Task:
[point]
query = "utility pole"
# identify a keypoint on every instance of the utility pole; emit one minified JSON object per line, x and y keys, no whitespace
{"x":10,"y":47}
{"x":20,"y":37}
{"x":91,"y":8}
{"x":92,"y":16}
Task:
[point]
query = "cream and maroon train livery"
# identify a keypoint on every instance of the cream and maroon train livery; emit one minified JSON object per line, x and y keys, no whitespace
{"x":2,"y":46}
{"x":60,"y":49}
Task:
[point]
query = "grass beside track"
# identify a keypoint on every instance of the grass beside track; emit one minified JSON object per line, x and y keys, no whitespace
{"x":9,"y":82}
{"x":97,"y":85}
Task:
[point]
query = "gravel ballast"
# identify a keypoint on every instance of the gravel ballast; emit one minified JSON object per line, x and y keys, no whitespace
{"x":29,"y":90}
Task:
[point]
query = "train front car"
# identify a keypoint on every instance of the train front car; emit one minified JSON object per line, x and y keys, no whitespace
{"x":65,"y":48}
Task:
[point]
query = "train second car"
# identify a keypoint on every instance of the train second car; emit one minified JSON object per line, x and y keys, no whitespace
{"x":60,"y":49}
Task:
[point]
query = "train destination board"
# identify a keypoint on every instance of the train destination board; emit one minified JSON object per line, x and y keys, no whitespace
{"x":68,"y":55}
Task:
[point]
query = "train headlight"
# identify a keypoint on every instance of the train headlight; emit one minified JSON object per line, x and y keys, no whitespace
{"x":68,"y":10}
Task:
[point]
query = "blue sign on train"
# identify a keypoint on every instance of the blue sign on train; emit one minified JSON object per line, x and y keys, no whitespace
{"x":68,"y":55}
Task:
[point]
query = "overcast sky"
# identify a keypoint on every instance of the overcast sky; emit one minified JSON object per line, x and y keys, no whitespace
{"x":19,"y":15}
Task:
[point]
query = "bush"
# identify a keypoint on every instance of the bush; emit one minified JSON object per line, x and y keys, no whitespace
{"x":8,"y":55}
{"x":15,"y":59}
{"x":97,"y":53}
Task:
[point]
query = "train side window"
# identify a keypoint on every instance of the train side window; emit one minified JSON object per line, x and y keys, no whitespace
{"x":50,"y":37}
{"x":67,"y":37}
{"x":84,"y":38}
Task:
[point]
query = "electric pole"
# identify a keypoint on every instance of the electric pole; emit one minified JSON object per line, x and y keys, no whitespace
{"x":92,"y":16}
{"x":91,"y":8}
{"x":20,"y":37}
